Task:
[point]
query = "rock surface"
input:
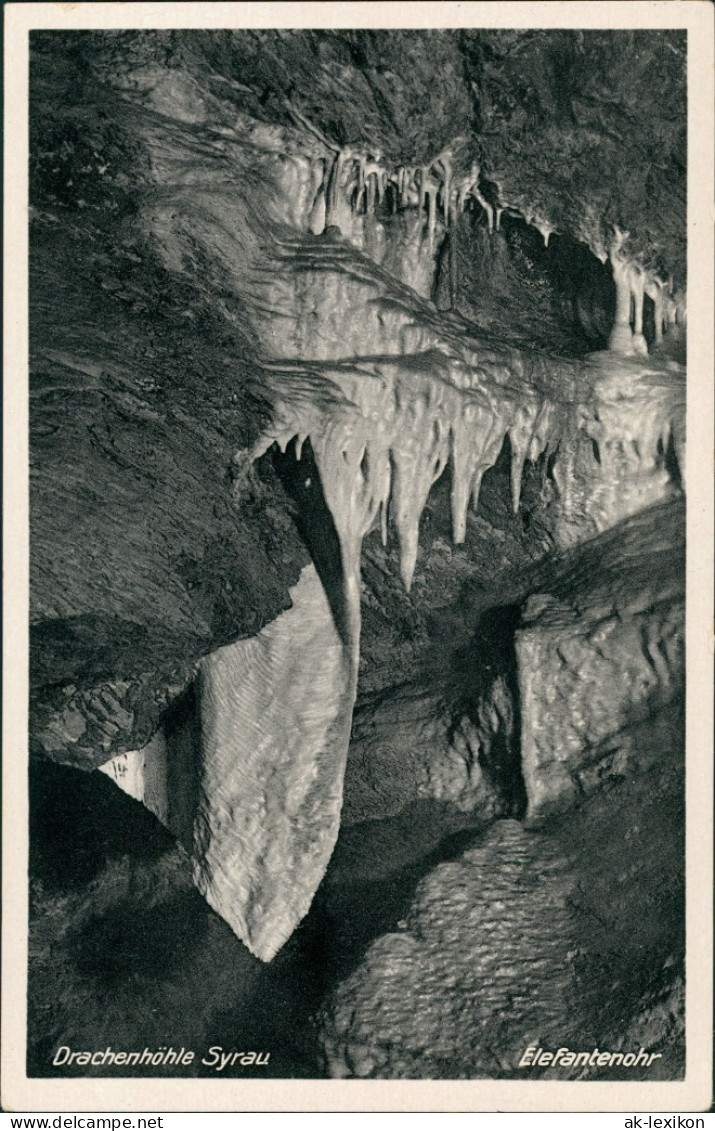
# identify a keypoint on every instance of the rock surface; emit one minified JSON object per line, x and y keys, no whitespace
{"x":320,"y":390}
{"x":599,"y":652}
{"x":503,"y":947}
{"x":563,"y":936}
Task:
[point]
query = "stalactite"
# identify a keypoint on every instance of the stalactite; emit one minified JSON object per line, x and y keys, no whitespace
{"x":443,"y":165}
{"x":453,"y":266}
{"x":333,"y":189}
{"x":476,"y":443}
{"x":422,"y":185}
{"x":376,"y":181}
{"x":637,"y":283}
{"x":544,"y":228}
{"x":654,"y":290}
{"x":670,"y":312}
{"x":360,"y":161}
{"x":621,"y":339}
{"x":432,"y":190}
{"x":318,"y":215}
{"x":384,"y":454}
{"x":470,"y":187}
{"x":370,"y":195}
{"x":681,"y":309}
{"x":674,"y":309}
{"x":402,"y":185}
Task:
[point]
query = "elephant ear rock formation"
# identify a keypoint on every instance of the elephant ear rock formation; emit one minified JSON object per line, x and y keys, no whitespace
{"x":298,"y":275}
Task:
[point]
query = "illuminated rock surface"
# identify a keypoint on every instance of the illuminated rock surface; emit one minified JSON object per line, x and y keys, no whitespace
{"x":596,"y":657}
{"x":275,"y":717}
{"x":508,"y":944}
{"x":261,"y":809}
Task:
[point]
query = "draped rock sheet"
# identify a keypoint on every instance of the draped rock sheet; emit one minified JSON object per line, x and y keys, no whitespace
{"x":275,"y":714}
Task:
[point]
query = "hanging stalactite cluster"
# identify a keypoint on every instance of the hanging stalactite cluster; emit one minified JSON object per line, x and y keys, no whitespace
{"x":632,"y":285}
{"x":353,"y":182}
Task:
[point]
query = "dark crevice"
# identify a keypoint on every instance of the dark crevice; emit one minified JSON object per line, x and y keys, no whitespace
{"x":490,"y":659}
{"x":182,"y":730}
{"x":670,"y":462}
{"x":648,"y":320}
{"x":351,"y":908}
{"x":550,"y":464}
{"x":495,"y":501}
{"x":555,"y":296}
{"x":79,"y":821}
{"x":301,"y":480}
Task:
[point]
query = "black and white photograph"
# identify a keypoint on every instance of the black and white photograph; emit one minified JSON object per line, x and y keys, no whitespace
{"x":359,"y":415}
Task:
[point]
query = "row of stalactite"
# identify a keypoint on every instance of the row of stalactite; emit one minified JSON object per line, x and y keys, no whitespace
{"x":401,"y":431}
{"x":392,"y":433}
{"x":633,"y":284}
{"x":361,"y":182}
{"x":367,"y":183}
{"x":358,"y":182}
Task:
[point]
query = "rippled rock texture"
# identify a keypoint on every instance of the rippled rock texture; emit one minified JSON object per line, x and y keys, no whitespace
{"x":506,"y":945}
{"x":567,"y":935}
{"x":598,"y":654}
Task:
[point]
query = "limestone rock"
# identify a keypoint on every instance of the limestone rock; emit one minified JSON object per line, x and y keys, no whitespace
{"x":245,"y":367}
{"x":565,"y":935}
{"x":256,"y":794}
{"x":275,"y":721}
{"x":598,"y":654}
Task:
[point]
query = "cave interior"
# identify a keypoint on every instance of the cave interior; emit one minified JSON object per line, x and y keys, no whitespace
{"x":357,"y":387}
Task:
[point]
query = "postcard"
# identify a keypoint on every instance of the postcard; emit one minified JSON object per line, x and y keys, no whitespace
{"x":358,"y":557}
